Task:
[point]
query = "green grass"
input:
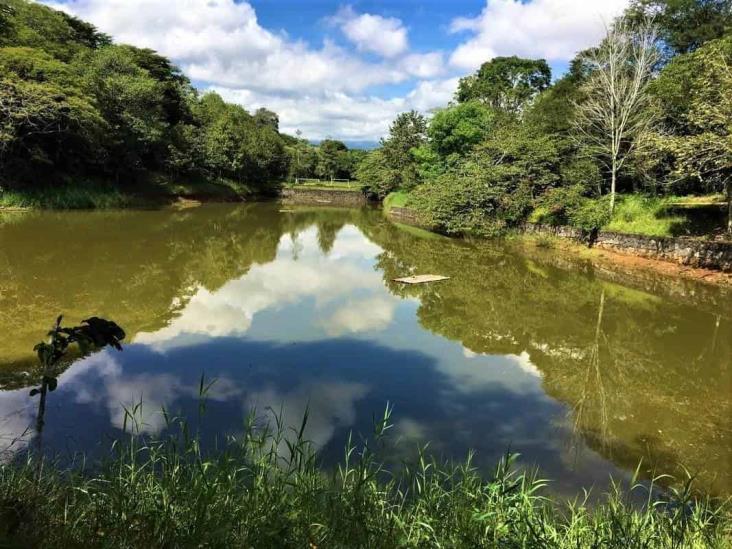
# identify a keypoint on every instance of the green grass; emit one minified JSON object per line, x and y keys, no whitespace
{"x":66,"y":198}
{"x":397,"y":199}
{"x":153,"y":190}
{"x":645,"y":216}
{"x":654,"y":216}
{"x":353,"y":186}
{"x":265,"y":489}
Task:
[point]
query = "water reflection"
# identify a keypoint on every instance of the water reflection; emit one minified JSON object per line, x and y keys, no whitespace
{"x":584,"y":377}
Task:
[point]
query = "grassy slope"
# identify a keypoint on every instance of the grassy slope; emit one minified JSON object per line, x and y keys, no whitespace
{"x":673,"y":216}
{"x":157,"y":189}
{"x":398,"y":199}
{"x":649,"y":216}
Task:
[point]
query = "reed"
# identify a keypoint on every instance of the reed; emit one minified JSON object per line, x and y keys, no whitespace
{"x":267,"y":488}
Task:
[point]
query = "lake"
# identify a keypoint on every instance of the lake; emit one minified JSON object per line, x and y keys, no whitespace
{"x":583,"y":371}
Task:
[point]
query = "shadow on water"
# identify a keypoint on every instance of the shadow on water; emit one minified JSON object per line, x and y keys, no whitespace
{"x":582,"y":376}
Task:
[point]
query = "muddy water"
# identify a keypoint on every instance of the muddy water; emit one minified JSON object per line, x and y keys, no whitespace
{"x":582,"y":376}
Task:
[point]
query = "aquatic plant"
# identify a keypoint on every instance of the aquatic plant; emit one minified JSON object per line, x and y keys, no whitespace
{"x":266,"y":488}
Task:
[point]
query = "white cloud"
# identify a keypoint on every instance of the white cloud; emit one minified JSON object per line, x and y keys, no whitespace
{"x":361,"y":315}
{"x":327,"y":89}
{"x":551,"y":29}
{"x":385,"y":36}
{"x":343,"y":115}
{"x":319,"y":90}
{"x":134,"y":401}
{"x":330,"y":405}
{"x":230,"y":310}
{"x":223,"y":43}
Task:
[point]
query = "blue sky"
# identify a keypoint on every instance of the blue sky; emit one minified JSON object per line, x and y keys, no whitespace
{"x":346,"y":69}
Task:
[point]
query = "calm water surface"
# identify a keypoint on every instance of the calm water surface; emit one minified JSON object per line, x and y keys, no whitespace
{"x":583,"y":376}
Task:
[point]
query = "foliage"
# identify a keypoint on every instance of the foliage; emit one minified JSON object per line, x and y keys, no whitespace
{"x":74,"y":106}
{"x":252,"y":493}
{"x":685,"y":25}
{"x":553,"y":110}
{"x":407,"y":132}
{"x":375,"y":177}
{"x":454,"y":131}
{"x":47,"y":122}
{"x":506,"y":84}
{"x":332,"y":159}
{"x":696,"y":93}
{"x":616,"y":114}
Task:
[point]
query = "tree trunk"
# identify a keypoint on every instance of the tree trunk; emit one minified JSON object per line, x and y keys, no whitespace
{"x":729,"y":206}
{"x":613,"y":180}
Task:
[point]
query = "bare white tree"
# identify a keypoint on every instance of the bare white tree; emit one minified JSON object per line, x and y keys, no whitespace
{"x":615,"y":112}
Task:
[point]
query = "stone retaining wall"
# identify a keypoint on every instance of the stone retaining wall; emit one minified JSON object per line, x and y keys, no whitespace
{"x":323,"y":197}
{"x":694,"y":252}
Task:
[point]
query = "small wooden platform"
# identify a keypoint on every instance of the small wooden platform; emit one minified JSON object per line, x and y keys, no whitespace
{"x":421,"y":279}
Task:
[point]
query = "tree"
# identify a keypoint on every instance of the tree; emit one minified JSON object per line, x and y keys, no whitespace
{"x":615,"y":114}
{"x":553,"y":109}
{"x":47,"y":123}
{"x":684,"y":25}
{"x":407,"y":132}
{"x":454,"y":131}
{"x":132,"y":101}
{"x":695,"y":90}
{"x":7,"y":27}
{"x":332,"y":159}
{"x":506,"y":84}
{"x":375,"y":177}
{"x":267,"y":118}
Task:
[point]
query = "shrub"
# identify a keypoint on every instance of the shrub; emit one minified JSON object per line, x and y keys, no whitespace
{"x":569,"y":206}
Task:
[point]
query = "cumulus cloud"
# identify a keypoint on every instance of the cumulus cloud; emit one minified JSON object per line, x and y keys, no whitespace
{"x":134,"y":401}
{"x":551,"y":29}
{"x":361,"y":315}
{"x":343,"y":115}
{"x":223,"y":43}
{"x":321,"y":90}
{"x":330,"y":405}
{"x":385,"y":36}
{"x":230,"y":310}
{"x":336,"y":88}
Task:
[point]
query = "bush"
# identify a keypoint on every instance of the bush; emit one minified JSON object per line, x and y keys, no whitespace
{"x":470,"y":205}
{"x":569,"y":206}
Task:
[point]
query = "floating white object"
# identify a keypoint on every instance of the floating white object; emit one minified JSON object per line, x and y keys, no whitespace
{"x":421,"y":279}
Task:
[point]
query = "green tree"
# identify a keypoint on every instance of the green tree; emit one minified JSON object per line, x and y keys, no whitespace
{"x":375,"y":177}
{"x":266,"y":118}
{"x":48,"y":125}
{"x":133,"y":103}
{"x":695,"y":90}
{"x":506,"y":84}
{"x":406,"y":133}
{"x":53,"y":31}
{"x":332,"y":159}
{"x":454,"y":131}
{"x":494,"y":186}
{"x":554,"y":109}
{"x":685,"y":25}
